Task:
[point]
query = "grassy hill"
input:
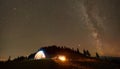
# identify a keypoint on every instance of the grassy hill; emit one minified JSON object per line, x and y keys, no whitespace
{"x":74,"y":60}
{"x":51,"y":64}
{"x":29,"y":64}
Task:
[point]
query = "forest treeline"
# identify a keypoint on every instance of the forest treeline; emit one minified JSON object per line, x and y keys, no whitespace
{"x":52,"y":51}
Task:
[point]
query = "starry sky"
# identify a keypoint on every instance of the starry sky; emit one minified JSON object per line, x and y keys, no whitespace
{"x":27,"y":25}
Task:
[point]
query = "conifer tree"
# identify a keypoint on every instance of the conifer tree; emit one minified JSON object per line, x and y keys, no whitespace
{"x":97,"y":55}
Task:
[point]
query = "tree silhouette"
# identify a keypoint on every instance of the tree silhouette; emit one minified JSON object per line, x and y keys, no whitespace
{"x":78,"y":50}
{"x":88,"y":53}
{"x":84,"y":52}
{"x":9,"y":59}
{"x":97,"y":55}
{"x":52,"y":51}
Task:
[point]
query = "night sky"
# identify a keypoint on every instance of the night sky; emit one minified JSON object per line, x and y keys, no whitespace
{"x":27,"y":25}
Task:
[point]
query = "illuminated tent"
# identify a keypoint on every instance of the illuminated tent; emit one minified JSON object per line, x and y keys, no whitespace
{"x":53,"y":51}
{"x":39,"y":55}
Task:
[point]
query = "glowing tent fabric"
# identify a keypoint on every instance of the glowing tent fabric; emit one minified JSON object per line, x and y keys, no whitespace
{"x":39,"y":55}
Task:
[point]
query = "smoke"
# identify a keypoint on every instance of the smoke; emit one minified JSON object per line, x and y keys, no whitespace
{"x":94,"y":23}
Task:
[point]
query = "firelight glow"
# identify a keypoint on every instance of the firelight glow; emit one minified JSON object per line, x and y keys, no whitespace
{"x":62,"y":58}
{"x":39,"y":55}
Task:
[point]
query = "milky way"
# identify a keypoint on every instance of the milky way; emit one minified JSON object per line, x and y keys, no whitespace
{"x":93,"y":22}
{"x":27,"y":25}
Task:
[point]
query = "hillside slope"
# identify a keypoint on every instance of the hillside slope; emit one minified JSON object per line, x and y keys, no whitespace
{"x":51,"y":64}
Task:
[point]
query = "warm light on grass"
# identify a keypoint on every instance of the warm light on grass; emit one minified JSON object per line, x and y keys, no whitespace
{"x":62,"y":58}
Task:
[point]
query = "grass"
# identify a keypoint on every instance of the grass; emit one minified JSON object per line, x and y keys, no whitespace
{"x":51,"y":64}
{"x":29,"y":64}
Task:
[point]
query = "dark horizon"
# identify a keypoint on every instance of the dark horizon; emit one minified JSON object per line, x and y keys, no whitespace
{"x":27,"y":25}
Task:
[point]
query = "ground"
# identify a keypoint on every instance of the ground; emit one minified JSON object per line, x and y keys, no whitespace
{"x":56,"y":64}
